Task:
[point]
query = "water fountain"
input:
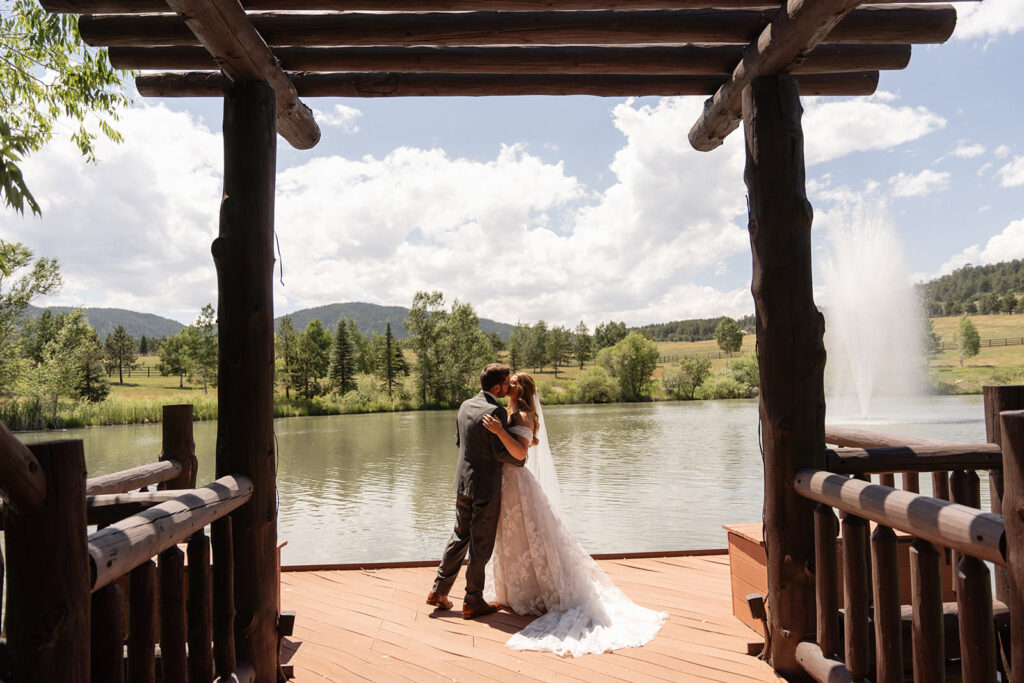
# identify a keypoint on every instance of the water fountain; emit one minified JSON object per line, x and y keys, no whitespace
{"x":872,"y":318}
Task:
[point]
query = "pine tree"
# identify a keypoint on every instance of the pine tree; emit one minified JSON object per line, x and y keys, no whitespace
{"x":390,"y":361}
{"x":341,"y":376}
{"x":120,"y":349}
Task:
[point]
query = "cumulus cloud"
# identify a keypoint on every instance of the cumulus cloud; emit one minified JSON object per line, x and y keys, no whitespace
{"x":967,"y":151}
{"x":340,"y":117}
{"x":925,"y":182}
{"x":1006,"y":246}
{"x":989,"y":19}
{"x":1012,"y":174}
{"x":833,"y":129}
{"x":133,"y":230}
{"x":1002,"y":151}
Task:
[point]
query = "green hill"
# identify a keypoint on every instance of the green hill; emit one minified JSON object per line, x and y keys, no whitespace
{"x":106,"y":320}
{"x":372,"y":318}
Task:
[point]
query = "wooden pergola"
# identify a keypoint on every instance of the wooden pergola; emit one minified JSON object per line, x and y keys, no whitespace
{"x":752,"y":59}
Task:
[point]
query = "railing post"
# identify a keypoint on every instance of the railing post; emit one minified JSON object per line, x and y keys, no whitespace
{"x":48,"y":603}
{"x":790,"y":353}
{"x":1012,"y":435}
{"x":244,"y":256}
{"x":998,"y":399}
{"x":179,"y":445}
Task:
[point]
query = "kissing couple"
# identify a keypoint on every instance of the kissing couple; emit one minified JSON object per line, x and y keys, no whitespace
{"x":521,"y":555}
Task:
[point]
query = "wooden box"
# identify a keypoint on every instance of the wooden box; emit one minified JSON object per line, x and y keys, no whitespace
{"x":748,"y":573}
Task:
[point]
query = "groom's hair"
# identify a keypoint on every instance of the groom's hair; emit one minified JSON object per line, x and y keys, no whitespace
{"x":493,"y":374}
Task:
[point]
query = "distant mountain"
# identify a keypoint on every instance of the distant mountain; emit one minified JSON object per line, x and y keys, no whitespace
{"x":372,"y":318}
{"x":106,"y":320}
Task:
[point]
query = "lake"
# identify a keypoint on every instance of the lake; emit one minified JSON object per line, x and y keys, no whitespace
{"x":634,"y":477}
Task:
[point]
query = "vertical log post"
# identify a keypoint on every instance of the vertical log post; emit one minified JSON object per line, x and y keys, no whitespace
{"x":179,"y":445}
{"x":912,"y":482}
{"x":107,"y":637}
{"x":200,"y":609}
{"x":940,"y":485}
{"x":172,"y":616}
{"x":790,"y":354}
{"x":1012,"y":435}
{"x":856,"y":596}
{"x":927,"y":635}
{"x":977,"y":635}
{"x":999,"y":399}
{"x":888,"y":623}
{"x":887,"y":479}
{"x":142,"y":623}
{"x":244,"y":256}
{"x":223,"y":597}
{"x":48,"y":602}
{"x":965,"y":489}
{"x":825,"y":579}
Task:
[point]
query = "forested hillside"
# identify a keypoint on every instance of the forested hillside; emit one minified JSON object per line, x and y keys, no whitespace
{"x":106,"y":320}
{"x":975,"y":289}
{"x":699,"y":329}
{"x":372,"y":318}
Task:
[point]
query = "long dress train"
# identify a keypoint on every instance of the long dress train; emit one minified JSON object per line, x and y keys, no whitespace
{"x":539,"y":568}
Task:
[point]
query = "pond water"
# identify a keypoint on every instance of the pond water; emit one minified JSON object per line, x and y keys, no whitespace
{"x":634,"y":477}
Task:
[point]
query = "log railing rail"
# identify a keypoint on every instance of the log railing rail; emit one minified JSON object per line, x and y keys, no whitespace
{"x":950,"y":519}
{"x":132,"y":565}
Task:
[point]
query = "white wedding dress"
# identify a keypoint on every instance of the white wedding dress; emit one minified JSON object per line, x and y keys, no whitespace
{"x":539,"y":568}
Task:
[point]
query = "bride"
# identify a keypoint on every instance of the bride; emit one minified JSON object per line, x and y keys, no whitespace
{"x":537,"y":566}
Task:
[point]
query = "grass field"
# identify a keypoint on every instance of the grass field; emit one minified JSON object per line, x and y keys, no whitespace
{"x":992,"y":365}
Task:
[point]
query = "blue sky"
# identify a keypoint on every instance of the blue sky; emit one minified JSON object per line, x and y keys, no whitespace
{"x":546,"y":208}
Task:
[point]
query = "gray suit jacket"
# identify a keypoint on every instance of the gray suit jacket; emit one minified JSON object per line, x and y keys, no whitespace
{"x":481,"y":453}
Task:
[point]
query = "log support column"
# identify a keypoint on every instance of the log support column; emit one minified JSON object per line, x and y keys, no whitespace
{"x":243,"y":253}
{"x":1012,"y":438}
{"x":791,"y":355}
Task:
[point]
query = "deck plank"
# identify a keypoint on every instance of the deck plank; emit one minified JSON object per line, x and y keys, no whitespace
{"x":373,"y":625}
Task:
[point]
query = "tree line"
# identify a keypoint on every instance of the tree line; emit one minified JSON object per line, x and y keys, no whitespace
{"x":699,"y":329}
{"x":974,"y":289}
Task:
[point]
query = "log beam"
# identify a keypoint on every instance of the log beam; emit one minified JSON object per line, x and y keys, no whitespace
{"x":211,"y":84}
{"x":971,"y":531}
{"x":679,"y":60}
{"x":155,"y":6}
{"x":22,"y":480}
{"x":790,"y":353}
{"x":244,"y":257}
{"x":223,"y":28}
{"x":874,"y":25}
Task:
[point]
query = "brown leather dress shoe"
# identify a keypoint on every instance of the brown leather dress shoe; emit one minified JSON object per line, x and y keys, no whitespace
{"x":439,"y":601}
{"x":474,"y":611}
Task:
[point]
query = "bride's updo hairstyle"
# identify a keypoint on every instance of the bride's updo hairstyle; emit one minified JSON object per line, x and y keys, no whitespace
{"x":528,"y":390}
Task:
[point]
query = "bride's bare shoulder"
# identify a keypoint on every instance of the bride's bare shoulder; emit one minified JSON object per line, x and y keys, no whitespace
{"x":523,"y":419}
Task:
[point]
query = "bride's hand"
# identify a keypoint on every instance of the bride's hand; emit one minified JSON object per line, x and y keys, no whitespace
{"x":492,"y":424}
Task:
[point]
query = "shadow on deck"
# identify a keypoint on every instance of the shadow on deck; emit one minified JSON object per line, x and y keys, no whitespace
{"x":373,"y":625}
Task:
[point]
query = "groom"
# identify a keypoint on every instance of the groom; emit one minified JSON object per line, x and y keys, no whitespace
{"x":478,"y":485}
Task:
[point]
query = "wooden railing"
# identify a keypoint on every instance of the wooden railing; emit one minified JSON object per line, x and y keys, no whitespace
{"x":131,"y":565}
{"x":974,"y":628}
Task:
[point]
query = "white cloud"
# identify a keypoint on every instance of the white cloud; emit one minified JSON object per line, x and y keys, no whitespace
{"x":1002,"y":151}
{"x":514,"y":235}
{"x":341,"y":117}
{"x":925,"y":182}
{"x":133,"y":230}
{"x":1006,"y":246}
{"x":833,"y":129}
{"x":966,"y":151}
{"x":1012,"y":174}
{"x":989,"y":18}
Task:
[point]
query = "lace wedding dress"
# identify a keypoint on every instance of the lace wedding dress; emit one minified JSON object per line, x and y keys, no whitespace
{"x":539,"y":568}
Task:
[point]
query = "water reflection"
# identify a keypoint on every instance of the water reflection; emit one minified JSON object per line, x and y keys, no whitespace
{"x":656,"y":476}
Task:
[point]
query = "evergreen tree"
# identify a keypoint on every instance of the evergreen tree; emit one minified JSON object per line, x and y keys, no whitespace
{"x":608,"y":334}
{"x":286,"y":348}
{"x":91,"y":384}
{"x":582,"y":344}
{"x":342,"y":375}
{"x":931,"y":343}
{"x":314,"y":358}
{"x":557,"y":346}
{"x":517,"y":343}
{"x":143,"y":346}
{"x":390,"y":361}
{"x":120,"y":351}
{"x":1009,"y":302}
{"x":535,"y":350}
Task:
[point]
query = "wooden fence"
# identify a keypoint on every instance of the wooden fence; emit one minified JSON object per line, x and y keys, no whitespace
{"x":71,"y":594}
{"x":927,"y":637}
{"x":675,"y":358}
{"x":987,"y":343}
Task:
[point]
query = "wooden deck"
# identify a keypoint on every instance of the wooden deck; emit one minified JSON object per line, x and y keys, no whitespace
{"x":372,"y":624}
